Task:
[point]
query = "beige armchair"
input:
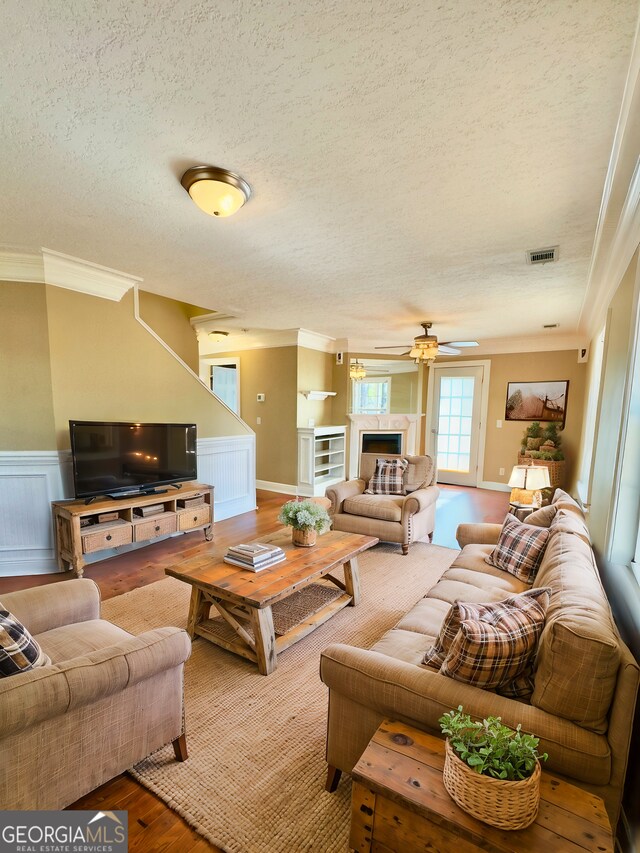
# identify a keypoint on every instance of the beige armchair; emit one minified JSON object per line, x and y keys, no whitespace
{"x":392,"y":518}
{"x":106,"y":701}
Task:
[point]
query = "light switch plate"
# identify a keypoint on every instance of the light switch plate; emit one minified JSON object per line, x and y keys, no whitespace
{"x":260,"y":398}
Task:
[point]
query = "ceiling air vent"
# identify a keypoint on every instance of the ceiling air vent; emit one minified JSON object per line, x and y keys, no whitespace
{"x":542,"y":256}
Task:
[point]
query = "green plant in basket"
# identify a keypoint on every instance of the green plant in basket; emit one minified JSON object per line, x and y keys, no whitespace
{"x":305,"y":515}
{"x":490,"y":748}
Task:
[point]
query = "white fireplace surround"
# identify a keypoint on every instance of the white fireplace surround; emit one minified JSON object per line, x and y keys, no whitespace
{"x":406,"y":425}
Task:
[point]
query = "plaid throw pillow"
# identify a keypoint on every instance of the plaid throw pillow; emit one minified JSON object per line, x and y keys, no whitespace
{"x":387,"y":478}
{"x":520,"y":549}
{"x":497,"y":650}
{"x":435,"y":656}
{"x":19,"y":652}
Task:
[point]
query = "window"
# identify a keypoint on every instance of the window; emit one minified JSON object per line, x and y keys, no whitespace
{"x":590,"y":419}
{"x":371,"y":397}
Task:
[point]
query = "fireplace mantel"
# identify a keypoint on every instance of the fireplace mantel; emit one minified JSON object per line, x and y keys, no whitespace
{"x":407,"y":425}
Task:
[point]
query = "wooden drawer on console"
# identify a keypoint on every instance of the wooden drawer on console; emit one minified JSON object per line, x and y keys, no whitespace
{"x":106,"y":537}
{"x":157,"y":525}
{"x":189,"y":518}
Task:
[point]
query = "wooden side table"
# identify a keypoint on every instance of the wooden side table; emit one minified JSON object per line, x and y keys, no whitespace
{"x":400,"y":804}
{"x":522,"y":511}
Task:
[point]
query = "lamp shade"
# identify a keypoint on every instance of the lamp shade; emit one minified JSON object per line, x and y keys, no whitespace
{"x":531,"y":477}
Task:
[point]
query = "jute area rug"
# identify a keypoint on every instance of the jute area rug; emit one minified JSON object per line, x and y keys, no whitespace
{"x":254,"y":780}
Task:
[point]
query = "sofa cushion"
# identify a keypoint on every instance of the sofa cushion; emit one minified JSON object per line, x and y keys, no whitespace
{"x":19,"y":651}
{"x":419,"y":473}
{"x":407,"y":646}
{"x":495,"y":645}
{"x":563,"y":499}
{"x":388,"y":477}
{"x":491,"y":612}
{"x":567,"y":521}
{"x":520,"y":549}
{"x":542,"y":517}
{"x":579,"y":651}
{"x":374,"y":506}
{"x":80,"y":638}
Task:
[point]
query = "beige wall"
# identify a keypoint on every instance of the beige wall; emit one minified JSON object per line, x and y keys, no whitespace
{"x":502,"y":444}
{"x":170,"y":320}
{"x":315,"y":373}
{"x":618,"y":340}
{"x":105,"y":366}
{"x":271,"y":371}
{"x":341,"y":403}
{"x":26,"y":402}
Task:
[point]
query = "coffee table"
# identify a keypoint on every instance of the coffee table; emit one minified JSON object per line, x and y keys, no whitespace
{"x":262,"y":613}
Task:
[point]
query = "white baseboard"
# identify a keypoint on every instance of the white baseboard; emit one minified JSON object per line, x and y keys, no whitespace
{"x":494,"y":487}
{"x":284,"y":488}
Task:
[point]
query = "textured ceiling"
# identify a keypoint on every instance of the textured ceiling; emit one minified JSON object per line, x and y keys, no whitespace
{"x":403,"y":156}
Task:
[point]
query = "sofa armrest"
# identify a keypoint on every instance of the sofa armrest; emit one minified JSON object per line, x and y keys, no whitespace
{"x":42,"y":608}
{"x":420,"y":499}
{"x":478,"y":534}
{"x":420,"y":696}
{"x":49,"y":691}
{"x":341,"y":491}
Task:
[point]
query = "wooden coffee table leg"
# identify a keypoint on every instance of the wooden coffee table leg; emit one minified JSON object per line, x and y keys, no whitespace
{"x":198,"y":610}
{"x":262,"y":622}
{"x":352,"y":581}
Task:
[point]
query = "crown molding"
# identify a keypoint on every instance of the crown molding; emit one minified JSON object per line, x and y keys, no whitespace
{"x":495,"y":346}
{"x":85,"y":277}
{"x":21,"y":266}
{"x":49,"y":267}
{"x":314,"y":340}
{"x":616,"y":237}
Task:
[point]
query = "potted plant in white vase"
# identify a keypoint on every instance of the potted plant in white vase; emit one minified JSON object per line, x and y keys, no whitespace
{"x":491,"y":771}
{"x":307,"y":519}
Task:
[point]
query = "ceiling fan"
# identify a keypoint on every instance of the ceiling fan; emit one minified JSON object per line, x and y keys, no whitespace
{"x":426,"y":347}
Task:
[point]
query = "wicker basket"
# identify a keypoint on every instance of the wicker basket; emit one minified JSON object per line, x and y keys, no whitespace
{"x":305,"y":537}
{"x":556,"y":469}
{"x":506,"y":805}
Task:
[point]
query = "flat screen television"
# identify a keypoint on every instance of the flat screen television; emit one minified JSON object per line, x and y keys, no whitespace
{"x":128,"y":458}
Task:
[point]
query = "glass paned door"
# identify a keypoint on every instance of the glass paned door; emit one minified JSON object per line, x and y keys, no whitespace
{"x":457,"y":396}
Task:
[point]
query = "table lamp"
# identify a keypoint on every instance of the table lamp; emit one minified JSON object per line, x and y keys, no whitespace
{"x":526,"y":482}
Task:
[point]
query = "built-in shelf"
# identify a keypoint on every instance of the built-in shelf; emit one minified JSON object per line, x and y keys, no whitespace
{"x":321,"y":458}
{"x":319,"y":395}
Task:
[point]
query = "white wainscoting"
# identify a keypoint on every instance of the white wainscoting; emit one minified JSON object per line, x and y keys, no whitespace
{"x":229,"y":464}
{"x":30,"y":480}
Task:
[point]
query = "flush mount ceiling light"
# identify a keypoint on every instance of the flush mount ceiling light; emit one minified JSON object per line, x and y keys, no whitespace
{"x":218,"y":336}
{"x":216,"y":191}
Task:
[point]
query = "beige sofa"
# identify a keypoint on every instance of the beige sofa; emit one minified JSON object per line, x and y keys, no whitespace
{"x":106,"y":701}
{"x":586,"y":679}
{"x":391,"y":518}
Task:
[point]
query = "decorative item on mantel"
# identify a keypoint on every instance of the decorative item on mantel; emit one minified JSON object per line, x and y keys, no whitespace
{"x":491,"y":771}
{"x":307,"y":519}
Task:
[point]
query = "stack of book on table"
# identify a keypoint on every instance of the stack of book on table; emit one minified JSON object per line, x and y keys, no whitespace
{"x":254,"y":557}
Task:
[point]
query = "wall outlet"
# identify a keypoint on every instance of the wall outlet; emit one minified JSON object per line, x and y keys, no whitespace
{"x":499,"y":424}
{"x":260,"y":398}
{"x":501,"y":472}
{"x":258,"y":421}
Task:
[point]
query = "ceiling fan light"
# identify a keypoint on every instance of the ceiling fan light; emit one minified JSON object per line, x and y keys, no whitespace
{"x":216,"y":191}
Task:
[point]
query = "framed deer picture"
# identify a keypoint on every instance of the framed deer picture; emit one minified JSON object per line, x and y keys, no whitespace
{"x":537,"y":401}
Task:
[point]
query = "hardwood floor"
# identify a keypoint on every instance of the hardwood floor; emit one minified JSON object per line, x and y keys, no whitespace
{"x":153,"y":826}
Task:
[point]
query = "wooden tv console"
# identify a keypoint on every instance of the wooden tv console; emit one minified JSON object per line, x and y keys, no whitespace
{"x":79,"y":532}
